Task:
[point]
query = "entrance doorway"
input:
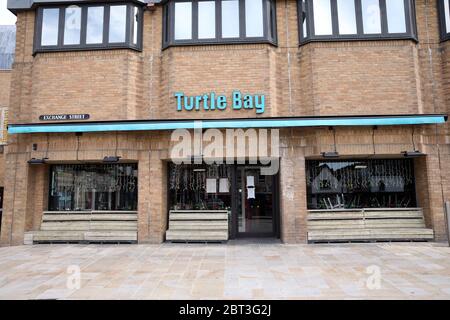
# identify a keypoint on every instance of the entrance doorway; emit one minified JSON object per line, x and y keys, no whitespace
{"x":256,"y":213}
{"x":249,"y":199}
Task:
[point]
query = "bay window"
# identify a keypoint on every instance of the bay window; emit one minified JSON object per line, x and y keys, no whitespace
{"x":444,"y":15}
{"x":88,"y":27}
{"x":334,"y":20}
{"x":188,"y":22}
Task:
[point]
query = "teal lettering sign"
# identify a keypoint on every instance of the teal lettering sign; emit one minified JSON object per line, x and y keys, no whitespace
{"x":212,"y":101}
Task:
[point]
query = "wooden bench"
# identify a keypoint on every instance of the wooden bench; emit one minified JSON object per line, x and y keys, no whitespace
{"x":85,"y":226}
{"x":197,"y":225}
{"x":348,"y":225}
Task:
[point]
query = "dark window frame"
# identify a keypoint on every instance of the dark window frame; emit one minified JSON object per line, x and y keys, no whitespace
{"x":51,"y":203}
{"x":105,"y":45}
{"x":409,"y":189}
{"x":410,"y":21}
{"x":442,"y":23}
{"x":269,"y":25}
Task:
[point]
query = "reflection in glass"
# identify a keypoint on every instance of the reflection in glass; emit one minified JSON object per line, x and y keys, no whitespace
{"x":230,"y":18}
{"x":135,"y":24}
{"x":360,"y":184}
{"x":93,"y":187}
{"x":183,"y":20}
{"x":304,"y":19}
{"x":322,"y":17}
{"x":50,"y":22}
{"x":199,"y":187}
{"x":254,"y":26}
{"x":395,"y":10}
{"x":72,"y":25}
{"x":347,"y":16}
{"x":371,"y":16}
{"x":206,"y":19}
{"x":117,"y":24}
{"x":94,"y":30}
{"x":447,"y":15}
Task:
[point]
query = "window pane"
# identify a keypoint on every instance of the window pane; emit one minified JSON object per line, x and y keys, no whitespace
{"x":254,"y":26}
{"x":206,"y":19}
{"x":322,"y":17}
{"x":135,"y":24}
{"x":447,"y":15}
{"x":304,"y":19}
{"x":346,"y":16}
{"x":183,"y":20}
{"x":94,"y":30}
{"x":50,"y":21}
{"x":230,"y":19}
{"x":395,"y":10}
{"x":371,"y":16}
{"x":72,"y":25}
{"x":117,"y":23}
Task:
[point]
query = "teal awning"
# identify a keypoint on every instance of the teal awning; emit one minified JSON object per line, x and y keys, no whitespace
{"x":149,"y":125}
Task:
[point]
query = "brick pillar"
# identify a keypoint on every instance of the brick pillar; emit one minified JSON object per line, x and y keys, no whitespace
{"x":429,"y":194}
{"x":158,"y":197}
{"x":144,"y":200}
{"x":152,"y":207}
{"x":292,"y":196}
{"x":16,"y":199}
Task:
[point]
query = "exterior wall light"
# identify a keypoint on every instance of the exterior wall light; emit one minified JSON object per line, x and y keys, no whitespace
{"x":412,"y":154}
{"x":111,"y":159}
{"x":332,"y":154}
{"x":35,"y":161}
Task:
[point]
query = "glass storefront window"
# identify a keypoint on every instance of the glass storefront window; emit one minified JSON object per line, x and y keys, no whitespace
{"x":347,"y":184}
{"x":356,"y":19}
{"x":322,"y":17}
{"x":72,"y":25}
{"x":206,"y":19}
{"x":218,"y":21}
{"x":199,"y":187}
{"x":50,"y":23}
{"x":94,"y":29}
{"x":444,"y":15}
{"x":93,"y":187}
{"x":117,"y":24}
{"x":88,"y":27}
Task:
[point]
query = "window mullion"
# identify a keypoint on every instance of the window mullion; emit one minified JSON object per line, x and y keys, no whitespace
{"x":383,"y":17}
{"x":359,"y":18}
{"x":106,"y":20}
{"x":242,"y":30}
{"x":334,"y":18}
{"x":61,"y":26}
{"x":218,"y":19}
{"x":194,"y":20}
{"x":83,"y":27}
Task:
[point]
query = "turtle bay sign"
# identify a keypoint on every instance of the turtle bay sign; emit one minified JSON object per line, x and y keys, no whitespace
{"x":63,"y":117}
{"x":212,"y":101}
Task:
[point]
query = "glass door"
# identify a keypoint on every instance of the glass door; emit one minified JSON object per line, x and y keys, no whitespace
{"x":255,"y":203}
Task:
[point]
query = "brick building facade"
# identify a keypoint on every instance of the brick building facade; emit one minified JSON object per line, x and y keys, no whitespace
{"x":361,"y":81}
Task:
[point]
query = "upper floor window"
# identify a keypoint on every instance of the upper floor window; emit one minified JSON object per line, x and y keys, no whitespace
{"x":219,"y":21}
{"x":94,"y":26}
{"x":444,"y":14}
{"x":356,"y":19}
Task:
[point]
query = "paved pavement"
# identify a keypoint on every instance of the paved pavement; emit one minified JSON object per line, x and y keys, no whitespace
{"x":237,"y":270}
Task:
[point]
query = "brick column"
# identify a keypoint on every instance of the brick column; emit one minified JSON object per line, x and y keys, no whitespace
{"x":16,"y":199}
{"x":152,"y":207}
{"x":292,"y":196}
{"x":144,"y":200}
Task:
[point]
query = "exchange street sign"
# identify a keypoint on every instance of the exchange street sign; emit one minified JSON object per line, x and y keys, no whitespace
{"x":63,"y":117}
